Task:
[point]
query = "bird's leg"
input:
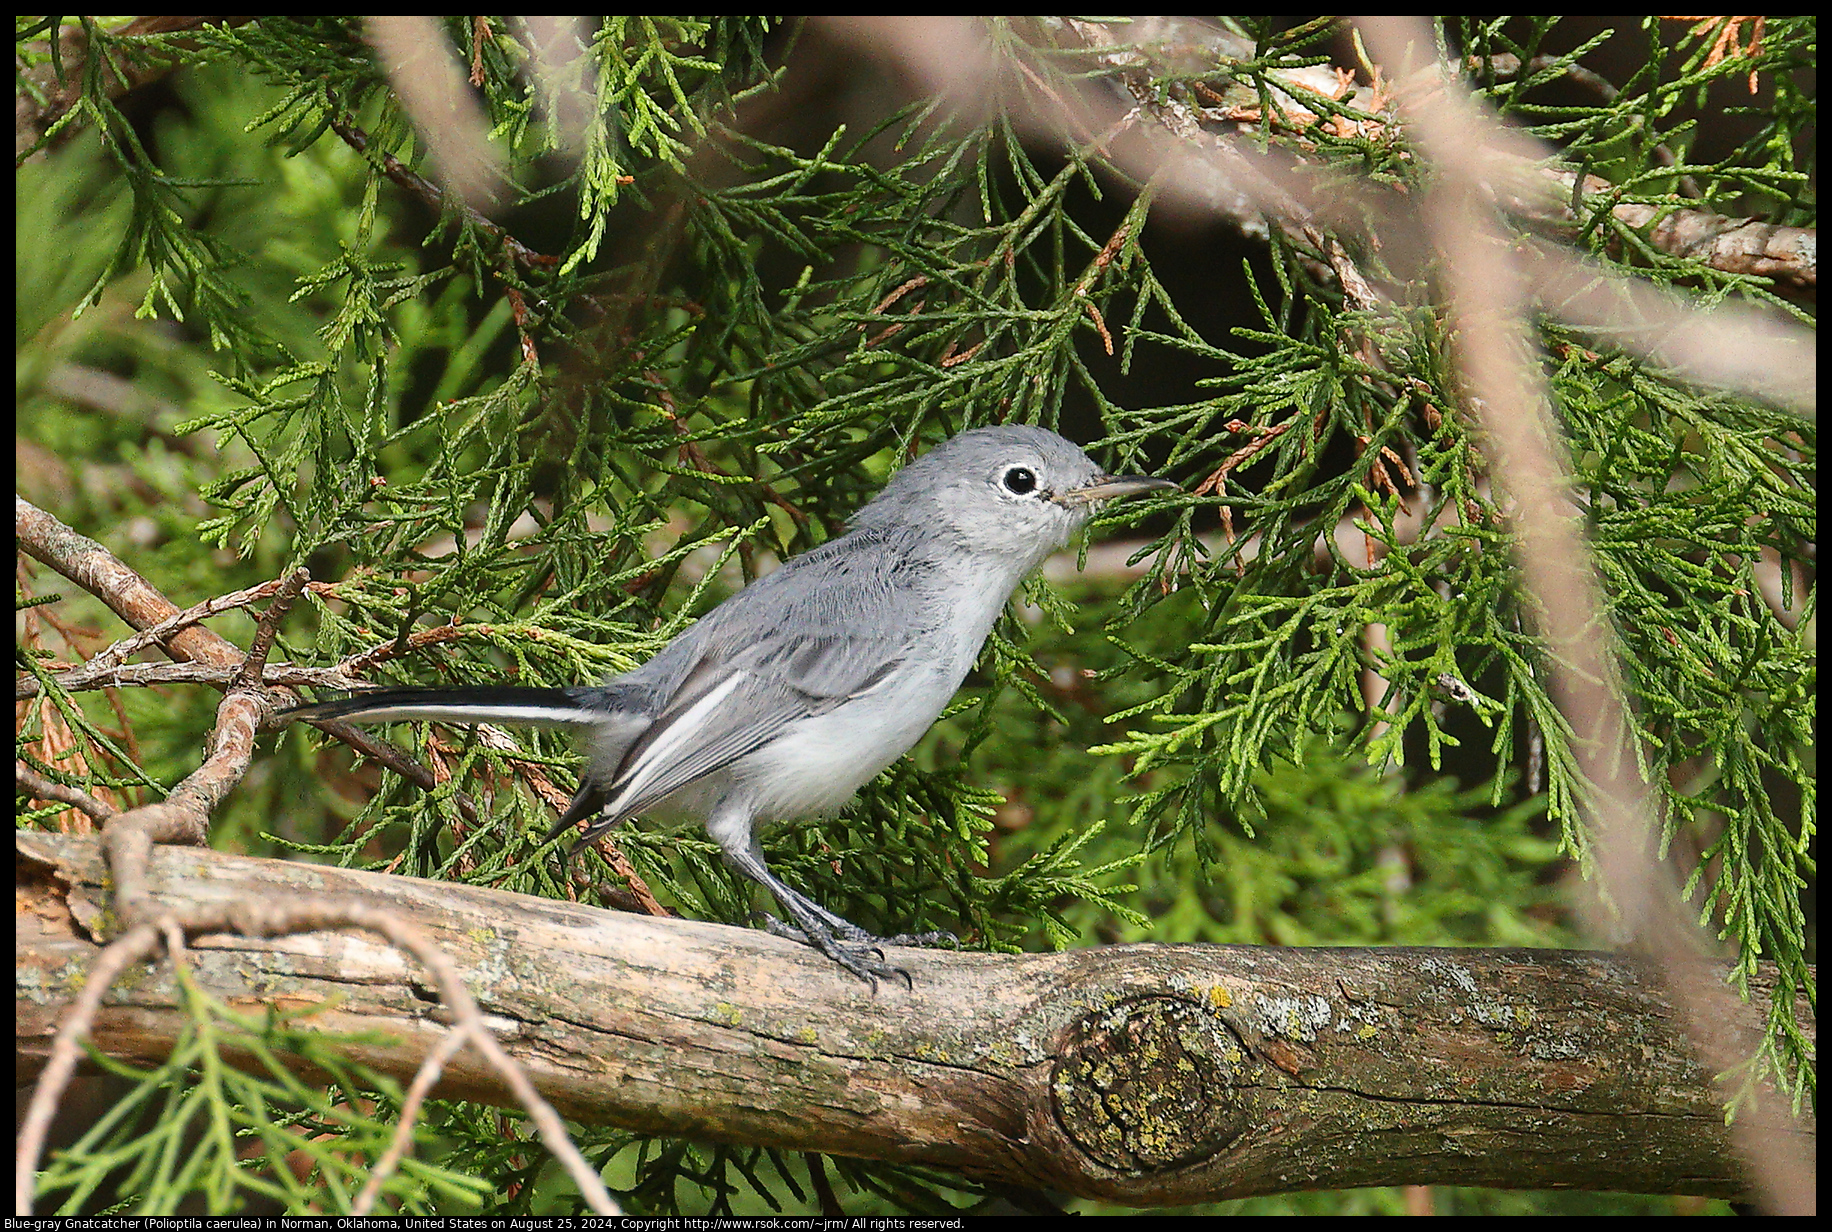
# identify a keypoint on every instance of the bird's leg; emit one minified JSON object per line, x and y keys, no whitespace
{"x":838,"y":938}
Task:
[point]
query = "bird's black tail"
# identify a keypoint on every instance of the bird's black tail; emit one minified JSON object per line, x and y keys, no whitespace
{"x":518,"y":705}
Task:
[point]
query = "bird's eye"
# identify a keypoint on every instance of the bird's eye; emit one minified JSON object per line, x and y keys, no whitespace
{"x":1020,"y":481}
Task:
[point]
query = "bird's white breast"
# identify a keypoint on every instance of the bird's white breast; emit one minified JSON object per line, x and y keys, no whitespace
{"x":817,"y":764}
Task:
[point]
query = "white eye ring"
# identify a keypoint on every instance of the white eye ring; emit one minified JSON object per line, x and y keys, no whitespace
{"x":1019,"y":480}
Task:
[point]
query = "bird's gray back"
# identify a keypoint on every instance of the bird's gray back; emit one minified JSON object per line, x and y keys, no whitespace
{"x":822,"y":624}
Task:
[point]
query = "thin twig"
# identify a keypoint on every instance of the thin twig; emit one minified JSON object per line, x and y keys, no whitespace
{"x":433,"y":197}
{"x":136,"y":944}
{"x":359,"y":665}
{"x":88,"y":677}
{"x":249,"y":676}
{"x":1491,"y":299}
{"x":127,"y":647}
{"x":273,"y":919}
{"x":38,"y":787}
{"x":401,"y":1141}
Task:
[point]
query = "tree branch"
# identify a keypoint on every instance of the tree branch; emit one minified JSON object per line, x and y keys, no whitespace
{"x":1143,"y":1074}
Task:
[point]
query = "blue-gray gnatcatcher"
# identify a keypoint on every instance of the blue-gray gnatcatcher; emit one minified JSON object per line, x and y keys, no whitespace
{"x":786,"y":698}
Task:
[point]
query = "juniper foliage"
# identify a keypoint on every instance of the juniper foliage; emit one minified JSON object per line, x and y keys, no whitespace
{"x":535,"y":449}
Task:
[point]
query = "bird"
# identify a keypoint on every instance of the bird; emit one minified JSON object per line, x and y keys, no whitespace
{"x":798,"y":689}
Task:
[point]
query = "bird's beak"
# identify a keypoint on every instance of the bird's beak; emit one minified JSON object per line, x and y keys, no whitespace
{"x":1108,"y":487}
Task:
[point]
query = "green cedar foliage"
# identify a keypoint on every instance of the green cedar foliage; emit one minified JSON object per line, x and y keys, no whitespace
{"x":738,"y":326}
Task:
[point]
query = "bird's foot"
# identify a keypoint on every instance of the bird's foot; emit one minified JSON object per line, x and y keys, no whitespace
{"x":853,"y":948}
{"x":845,"y":930}
{"x":936,"y":938}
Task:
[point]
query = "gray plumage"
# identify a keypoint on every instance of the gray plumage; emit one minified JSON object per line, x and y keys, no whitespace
{"x":786,"y":698}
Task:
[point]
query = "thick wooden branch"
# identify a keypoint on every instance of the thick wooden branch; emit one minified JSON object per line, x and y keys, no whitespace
{"x":1144,"y":1074}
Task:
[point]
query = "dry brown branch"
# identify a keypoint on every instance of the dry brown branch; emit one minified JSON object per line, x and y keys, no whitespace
{"x":1143,"y":1074}
{"x":104,"y":669}
{"x":359,"y":665}
{"x":130,"y":838}
{"x":1789,"y":255}
{"x":424,"y":1080}
{"x":108,"y":578}
{"x":36,"y":786}
{"x":101,"y":969}
{"x":1741,"y":347}
{"x":1208,"y":173}
{"x":139,"y":603}
{"x":129,"y":841}
{"x":1745,"y":348}
{"x":249,"y":677}
{"x":1744,"y":246}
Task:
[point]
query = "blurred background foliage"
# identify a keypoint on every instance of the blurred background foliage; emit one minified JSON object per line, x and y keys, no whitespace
{"x":749,"y":283}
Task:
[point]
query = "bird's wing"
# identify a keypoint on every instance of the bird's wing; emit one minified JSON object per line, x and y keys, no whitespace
{"x":825,"y":628}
